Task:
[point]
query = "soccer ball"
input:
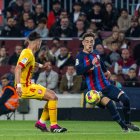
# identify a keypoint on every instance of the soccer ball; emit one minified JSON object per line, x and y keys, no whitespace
{"x":92,"y":97}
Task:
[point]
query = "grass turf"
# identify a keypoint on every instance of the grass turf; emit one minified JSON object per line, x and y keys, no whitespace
{"x":77,"y":130}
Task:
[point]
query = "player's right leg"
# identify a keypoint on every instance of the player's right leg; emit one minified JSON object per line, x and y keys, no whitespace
{"x":50,"y":111}
{"x":114,"y":113}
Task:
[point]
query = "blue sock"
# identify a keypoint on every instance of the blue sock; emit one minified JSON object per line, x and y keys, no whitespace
{"x":126,"y":107}
{"x":115,"y":114}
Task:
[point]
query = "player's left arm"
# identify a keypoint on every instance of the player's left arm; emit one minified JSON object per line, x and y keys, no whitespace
{"x":38,"y":65}
{"x":105,"y":70}
{"x":46,"y":65}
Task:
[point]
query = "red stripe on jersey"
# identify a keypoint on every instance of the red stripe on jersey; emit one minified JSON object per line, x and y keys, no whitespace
{"x":100,"y":78}
{"x":91,"y":80}
{"x":99,"y":73}
{"x":21,"y":64}
{"x":90,"y":73}
{"x":28,"y":75}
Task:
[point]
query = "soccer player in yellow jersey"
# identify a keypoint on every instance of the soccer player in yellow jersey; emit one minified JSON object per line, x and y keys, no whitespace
{"x":26,"y":89}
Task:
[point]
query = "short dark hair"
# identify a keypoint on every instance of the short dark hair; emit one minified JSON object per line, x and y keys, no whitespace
{"x":114,"y":42}
{"x":42,"y":21}
{"x":71,"y":65}
{"x":56,"y":2}
{"x":109,"y":3}
{"x":132,"y":69}
{"x":124,"y":9}
{"x":79,"y":20}
{"x":88,"y":35}
{"x":56,"y":38}
{"x":96,"y":4}
{"x":9,"y":18}
{"x":38,"y":4}
{"x":33,"y":36}
{"x":77,"y":4}
{"x":5,"y":76}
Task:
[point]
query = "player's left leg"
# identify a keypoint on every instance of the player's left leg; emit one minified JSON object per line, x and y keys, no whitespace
{"x":50,"y":111}
{"x":117,"y":94}
{"x":105,"y":101}
{"x":127,"y":111}
{"x":41,"y":123}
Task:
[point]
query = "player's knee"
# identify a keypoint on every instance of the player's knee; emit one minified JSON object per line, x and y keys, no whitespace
{"x":50,"y":95}
{"x":104,"y":101}
{"x":54,"y":97}
{"x":125,"y":100}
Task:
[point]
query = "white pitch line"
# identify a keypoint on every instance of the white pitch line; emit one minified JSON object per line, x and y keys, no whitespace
{"x":68,"y":131}
{"x":17,"y":129}
{"x":53,"y":134}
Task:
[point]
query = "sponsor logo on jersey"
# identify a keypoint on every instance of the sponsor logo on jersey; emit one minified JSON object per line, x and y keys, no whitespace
{"x":24,"y":60}
{"x":98,"y":56}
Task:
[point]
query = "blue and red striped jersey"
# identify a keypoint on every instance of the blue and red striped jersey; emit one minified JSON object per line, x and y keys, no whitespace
{"x":94,"y":75}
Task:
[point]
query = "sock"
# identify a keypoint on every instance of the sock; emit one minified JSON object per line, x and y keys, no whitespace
{"x":115,"y":114}
{"x":45,"y":114}
{"x":52,"y":106}
{"x":126,"y":107}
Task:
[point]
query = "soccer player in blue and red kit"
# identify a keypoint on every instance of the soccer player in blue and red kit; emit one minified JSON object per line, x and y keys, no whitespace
{"x":89,"y":64}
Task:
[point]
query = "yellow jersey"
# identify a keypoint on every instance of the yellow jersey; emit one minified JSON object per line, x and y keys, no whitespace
{"x":27,"y":61}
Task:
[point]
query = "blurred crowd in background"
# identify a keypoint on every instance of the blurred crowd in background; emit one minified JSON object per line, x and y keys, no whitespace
{"x":111,"y":26}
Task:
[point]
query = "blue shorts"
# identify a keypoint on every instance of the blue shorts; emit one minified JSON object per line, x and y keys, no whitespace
{"x":111,"y":92}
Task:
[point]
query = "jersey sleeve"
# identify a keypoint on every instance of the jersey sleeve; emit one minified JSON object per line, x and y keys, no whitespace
{"x":24,"y":58}
{"x":80,"y":67}
{"x":103,"y":66}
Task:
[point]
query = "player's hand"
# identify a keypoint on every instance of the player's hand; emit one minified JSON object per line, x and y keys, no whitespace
{"x":94,"y":61}
{"x":107,"y":74}
{"x":19,"y":91}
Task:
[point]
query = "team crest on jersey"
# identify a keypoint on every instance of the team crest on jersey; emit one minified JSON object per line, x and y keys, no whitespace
{"x":77,"y":62}
{"x":98,"y":56}
{"x":24,"y":60}
{"x":39,"y":91}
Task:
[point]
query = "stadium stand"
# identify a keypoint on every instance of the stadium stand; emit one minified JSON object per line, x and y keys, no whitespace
{"x":72,"y":43}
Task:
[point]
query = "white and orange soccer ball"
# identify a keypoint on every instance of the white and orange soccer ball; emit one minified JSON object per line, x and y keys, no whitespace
{"x":93,"y":97}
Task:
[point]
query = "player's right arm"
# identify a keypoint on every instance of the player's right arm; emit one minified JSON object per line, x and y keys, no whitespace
{"x":80,"y":67}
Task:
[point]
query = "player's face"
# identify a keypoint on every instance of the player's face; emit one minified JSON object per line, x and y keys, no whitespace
{"x":88,"y":43}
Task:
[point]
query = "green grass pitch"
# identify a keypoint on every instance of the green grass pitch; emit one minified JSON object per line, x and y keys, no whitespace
{"x":77,"y":130}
